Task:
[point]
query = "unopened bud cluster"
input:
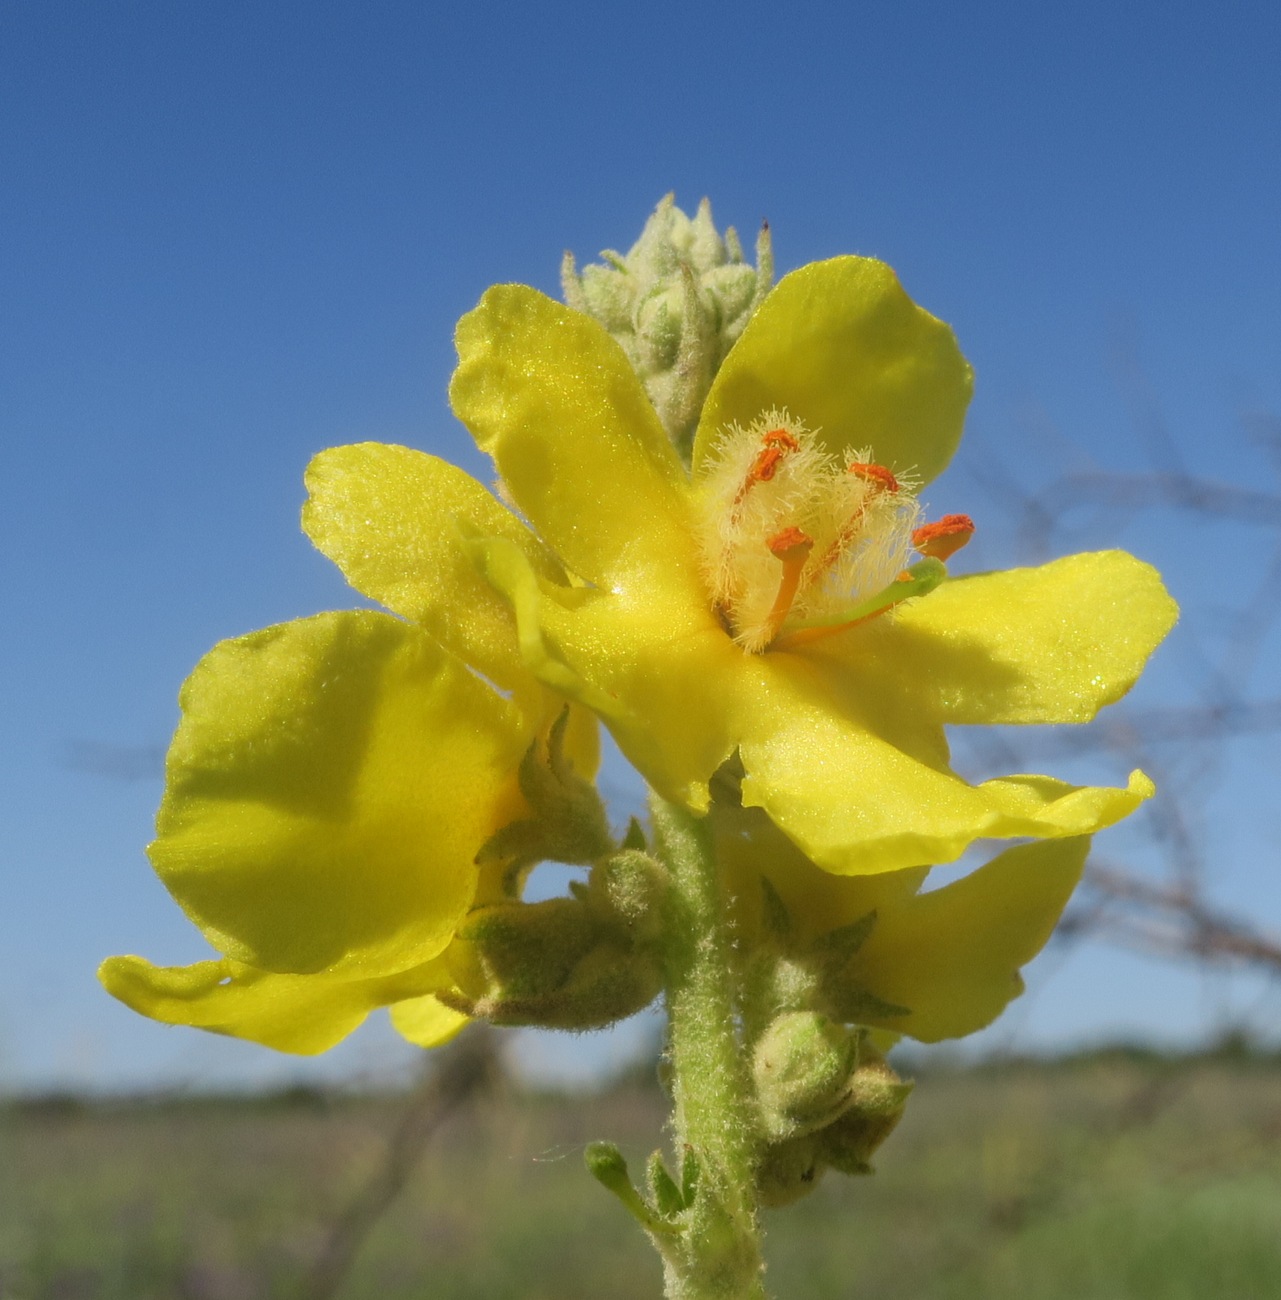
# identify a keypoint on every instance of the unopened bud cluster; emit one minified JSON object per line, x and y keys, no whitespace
{"x":676,"y":302}
{"x":566,"y":963}
{"x":825,"y":1096}
{"x":577,"y":962}
{"x":861,"y":1103}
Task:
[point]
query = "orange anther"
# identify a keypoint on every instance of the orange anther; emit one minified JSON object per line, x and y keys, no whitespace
{"x":787,"y":543}
{"x":780,"y":438}
{"x":874,"y":475}
{"x":764,"y":465}
{"x":775,"y":444}
{"x":943,"y":539}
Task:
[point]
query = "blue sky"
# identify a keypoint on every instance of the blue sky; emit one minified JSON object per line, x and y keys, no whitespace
{"x":233,"y":234}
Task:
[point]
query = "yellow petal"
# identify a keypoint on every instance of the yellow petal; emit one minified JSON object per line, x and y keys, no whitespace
{"x":952,"y":955}
{"x":400,"y":525}
{"x":857,"y":777}
{"x":749,"y":846}
{"x":1048,"y":809}
{"x":554,"y":400}
{"x":389,"y":517}
{"x":848,"y":353}
{"x":328,"y":788}
{"x":652,"y":665}
{"x":426,"y":1021}
{"x":305,"y":1014}
{"x":861,"y":783}
{"x":1049,"y":644}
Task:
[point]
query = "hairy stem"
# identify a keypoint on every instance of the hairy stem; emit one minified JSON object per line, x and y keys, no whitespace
{"x":719,"y":1254}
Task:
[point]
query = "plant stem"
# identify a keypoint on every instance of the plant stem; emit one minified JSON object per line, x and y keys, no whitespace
{"x":719,"y":1254}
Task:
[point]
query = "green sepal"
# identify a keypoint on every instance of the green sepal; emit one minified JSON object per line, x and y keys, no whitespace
{"x":842,"y":943}
{"x":569,"y":823}
{"x":856,"y":1005}
{"x":689,"y":1174}
{"x":635,"y":836}
{"x":668,"y":1198}
{"x":844,"y":999}
{"x":778,"y":920}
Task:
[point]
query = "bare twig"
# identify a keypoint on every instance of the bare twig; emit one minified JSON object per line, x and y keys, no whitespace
{"x":1170,"y":921}
{"x":459,"y":1073}
{"x":1188,"y":743}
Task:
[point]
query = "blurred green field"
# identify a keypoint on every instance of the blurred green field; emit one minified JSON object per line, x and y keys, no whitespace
{"x":1107,"y":1178}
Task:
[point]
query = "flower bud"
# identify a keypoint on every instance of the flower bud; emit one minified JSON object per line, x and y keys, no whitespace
{"x":878,"y":1098}
{"x":875,"y":1097}
{"x":568,"y":822}
{"x":731,"y":289}
{"x":631,"y":886}
{"x":659,"y":323}
{"x":675,"y":302}
{"x":558,"y":964}
{"x":788,"y":1170}
{"x":802,"y":1066}
{"x":607,"y":295}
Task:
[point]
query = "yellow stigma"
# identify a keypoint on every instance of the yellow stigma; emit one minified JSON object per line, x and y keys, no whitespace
{"x":840,"y":529}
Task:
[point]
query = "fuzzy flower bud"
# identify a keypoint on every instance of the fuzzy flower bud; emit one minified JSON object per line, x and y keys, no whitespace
{"x":802,"y":1066}
{"x":789,"y":1166}
{"x":558,"y":964}
{"x":631,"y":886}
{"x":676,"y":303}
{"x":878,"y":1100}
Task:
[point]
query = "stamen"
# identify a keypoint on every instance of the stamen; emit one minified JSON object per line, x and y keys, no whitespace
{"x":780,"y":438}
{"x":775,"y":444}
{"x":874,"y":475}
{"x":944,"y":538}
{"x":763,"y":466}
{"x":878,"y":479}
{"x":786,"y":543}
{"x":792,"y":547}
{"x":919,"y":580}
{"x":798,"y":542}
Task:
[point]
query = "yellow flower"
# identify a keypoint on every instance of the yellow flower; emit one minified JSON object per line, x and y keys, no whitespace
{"x":837,"y":717}
{"x":327,"y":792}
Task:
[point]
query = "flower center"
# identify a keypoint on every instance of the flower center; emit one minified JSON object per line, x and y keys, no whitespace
{"x":797,"y":544}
